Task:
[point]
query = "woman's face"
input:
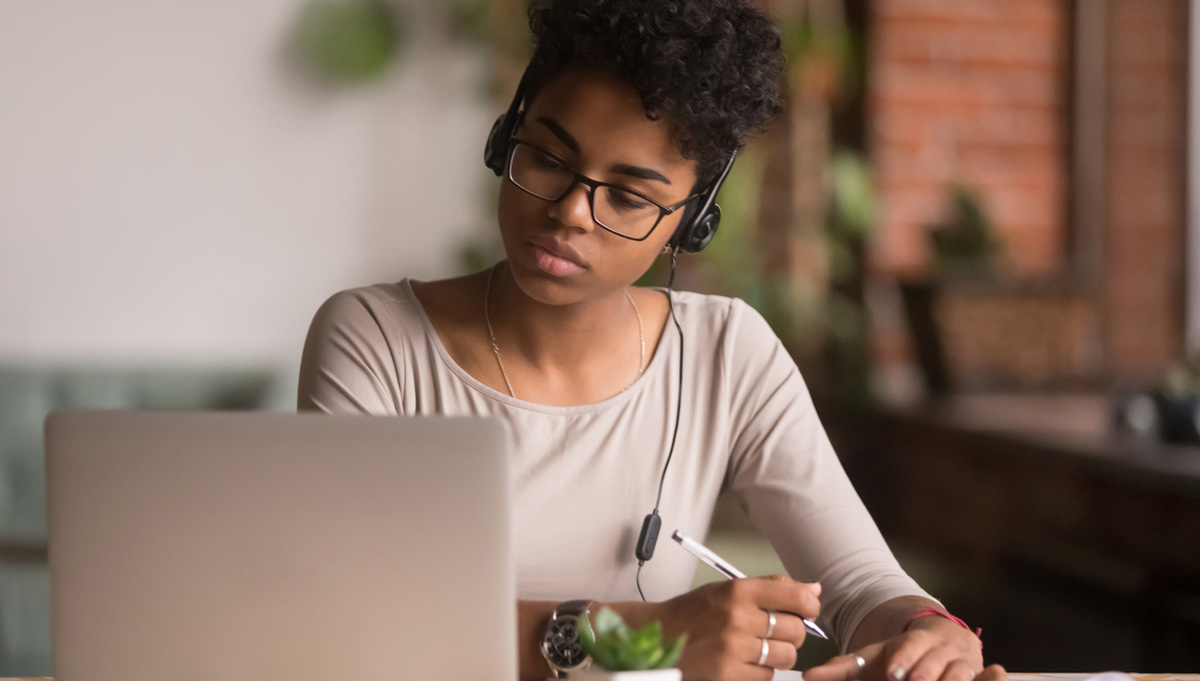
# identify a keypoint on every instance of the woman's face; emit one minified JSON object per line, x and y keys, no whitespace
{"x":594,"y":121}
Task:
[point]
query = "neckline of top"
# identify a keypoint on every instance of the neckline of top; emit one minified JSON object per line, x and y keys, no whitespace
{"x":656,"y":365}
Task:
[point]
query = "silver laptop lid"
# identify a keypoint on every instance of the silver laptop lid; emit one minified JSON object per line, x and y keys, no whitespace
{"x":279,"y":547}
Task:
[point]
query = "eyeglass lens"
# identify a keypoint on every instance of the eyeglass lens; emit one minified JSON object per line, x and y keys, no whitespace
{"x":615,"y":209}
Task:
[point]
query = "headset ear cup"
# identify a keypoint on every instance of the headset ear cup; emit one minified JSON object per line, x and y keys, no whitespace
{"x":497,"y":145}
{"x":703,"y":231}
{"x":680,"y":236}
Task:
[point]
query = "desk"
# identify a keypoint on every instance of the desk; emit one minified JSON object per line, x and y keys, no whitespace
{"x":1074,"y":546}
{"x":1013,"y":677}
{"x":1080,"y":677}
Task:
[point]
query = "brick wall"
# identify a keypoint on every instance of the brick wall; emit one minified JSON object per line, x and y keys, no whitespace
{"x":970,"y":91}
{"x":1143,"y":287}
{"x":980,"y":92}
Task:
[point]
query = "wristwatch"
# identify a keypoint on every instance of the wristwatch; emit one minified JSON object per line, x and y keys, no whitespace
{"x":561,"y":645}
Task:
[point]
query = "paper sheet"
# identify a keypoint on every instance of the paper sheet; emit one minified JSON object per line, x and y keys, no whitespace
{"x":1104,"y":676}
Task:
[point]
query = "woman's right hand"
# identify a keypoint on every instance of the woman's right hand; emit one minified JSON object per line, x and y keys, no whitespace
{"x":727,"y":622}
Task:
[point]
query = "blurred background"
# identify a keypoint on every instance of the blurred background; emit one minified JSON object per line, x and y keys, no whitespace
{"x":974,"y":226}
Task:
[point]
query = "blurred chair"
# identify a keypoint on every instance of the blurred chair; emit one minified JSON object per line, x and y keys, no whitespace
{"x":27,"y":396}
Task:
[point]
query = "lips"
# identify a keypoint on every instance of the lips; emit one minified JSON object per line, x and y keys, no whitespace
{"x":557,"y":259}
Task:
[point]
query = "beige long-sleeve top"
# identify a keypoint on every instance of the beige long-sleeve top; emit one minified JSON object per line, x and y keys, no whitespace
{"x":586,"y":476}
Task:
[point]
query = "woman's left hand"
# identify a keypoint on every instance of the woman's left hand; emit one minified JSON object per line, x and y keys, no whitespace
{"x":933,"y":649}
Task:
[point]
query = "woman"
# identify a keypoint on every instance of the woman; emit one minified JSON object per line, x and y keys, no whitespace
{"x":632,"y":111}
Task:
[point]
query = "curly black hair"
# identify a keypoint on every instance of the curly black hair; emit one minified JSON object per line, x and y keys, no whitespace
{"x":712,"y":69}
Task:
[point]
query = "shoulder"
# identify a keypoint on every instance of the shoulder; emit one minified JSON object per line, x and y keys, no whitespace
{"x":349,"y":363}
{"x":451,"y":302}
{"x":732,"y":340}
{"x":721,"y":317}
{"x":376,"y":295}
{"x":368,"y":310}
{"x":371,"y":318}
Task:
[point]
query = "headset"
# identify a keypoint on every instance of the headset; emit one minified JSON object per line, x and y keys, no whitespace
{"x":695,"y":231}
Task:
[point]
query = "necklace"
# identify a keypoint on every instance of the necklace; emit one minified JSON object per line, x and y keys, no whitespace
{"x":487,"y":294}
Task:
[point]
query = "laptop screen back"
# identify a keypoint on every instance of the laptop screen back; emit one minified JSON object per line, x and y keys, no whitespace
{"x":279,"y":546}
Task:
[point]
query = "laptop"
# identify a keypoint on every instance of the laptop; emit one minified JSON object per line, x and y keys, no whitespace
{"x":281,"y":547}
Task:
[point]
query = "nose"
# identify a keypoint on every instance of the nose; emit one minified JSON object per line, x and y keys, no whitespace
{"x":574,"y":209}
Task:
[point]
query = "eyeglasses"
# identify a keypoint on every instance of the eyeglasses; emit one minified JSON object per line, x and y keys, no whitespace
{"x":620,"y":210}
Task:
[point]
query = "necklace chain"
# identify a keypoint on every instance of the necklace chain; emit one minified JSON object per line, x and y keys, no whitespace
{"x":487,"y":294}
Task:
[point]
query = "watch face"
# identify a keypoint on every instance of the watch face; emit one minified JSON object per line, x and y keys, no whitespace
{"x":563,"y":646}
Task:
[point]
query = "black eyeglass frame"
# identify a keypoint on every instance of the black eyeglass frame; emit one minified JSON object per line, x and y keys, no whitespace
{"x":592,"y":185}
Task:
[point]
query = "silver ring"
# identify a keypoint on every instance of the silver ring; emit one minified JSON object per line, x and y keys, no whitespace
{"x":770,"y":623}
{"x":860,"y":662}
{"x":762,"y":659}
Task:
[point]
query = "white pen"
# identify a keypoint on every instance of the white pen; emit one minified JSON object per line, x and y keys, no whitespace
{"x":726,"y":568}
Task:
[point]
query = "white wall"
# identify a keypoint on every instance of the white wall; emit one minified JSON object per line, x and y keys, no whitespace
{"x":172,"y":190}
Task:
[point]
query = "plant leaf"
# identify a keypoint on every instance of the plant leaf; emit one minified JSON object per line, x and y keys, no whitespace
{"x":608,"y":621}
{"x":604,"y":658}
{"x":630,"y":659}
{"x":652,"y":632}
{"x":613,"y":646}
{"x":672,"y":654}
{"x":586,"y":637}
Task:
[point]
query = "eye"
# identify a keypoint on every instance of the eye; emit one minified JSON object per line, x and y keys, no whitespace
{"x":625,"y":200}
{"x":546,"y":161}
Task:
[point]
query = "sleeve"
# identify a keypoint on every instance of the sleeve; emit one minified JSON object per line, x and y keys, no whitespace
{"x":787,"y":477}
{"x":348,"y":366}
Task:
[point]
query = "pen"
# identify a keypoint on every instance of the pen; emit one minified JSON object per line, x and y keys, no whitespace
{"x":726,"y":568}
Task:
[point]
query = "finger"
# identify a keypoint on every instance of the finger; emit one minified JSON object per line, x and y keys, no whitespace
{"x":789,"y":629}
{"x":782,"y":596}
{"x":726,"y":658}
{"x":814,"y":587}
{"x":933,"y":664}
{"x":845,"y":667}
{"x":749,"y":672}
{"x":839,"y":668}
{"x":993,"y":673}
{"x":903,"y":654}
{"x":779,"y":654}
{"x":959,"y":670}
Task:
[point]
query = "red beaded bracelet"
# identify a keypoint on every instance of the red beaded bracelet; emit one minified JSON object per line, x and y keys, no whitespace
{"x":934,"y":611}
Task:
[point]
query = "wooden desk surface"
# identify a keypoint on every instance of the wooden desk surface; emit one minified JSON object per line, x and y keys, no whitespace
{"x":1069,"y":429}
{"x":1014,"y":677}
{"x":1033,"y":676}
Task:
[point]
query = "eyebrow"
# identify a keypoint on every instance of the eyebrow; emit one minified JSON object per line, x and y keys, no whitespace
{"x":638,"y":172}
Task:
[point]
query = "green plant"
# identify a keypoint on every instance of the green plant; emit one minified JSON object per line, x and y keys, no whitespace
{"x":348,"y":41}
{"x":469,"y":20}
{"x":964,"y":240}
{"x":1180,"y":381}
{"x":616,"y":647}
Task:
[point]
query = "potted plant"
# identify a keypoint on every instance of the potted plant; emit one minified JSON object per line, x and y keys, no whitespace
{"x":1170,"y":411}
{"x":963,"y":247}
{"x":621,"y":654}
